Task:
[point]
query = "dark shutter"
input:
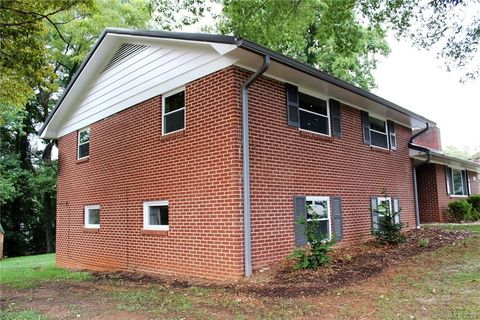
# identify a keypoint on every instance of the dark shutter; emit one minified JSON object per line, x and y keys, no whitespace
{"x":337,"y":218}
{"x":396,"y":208}
{"x":448,"y":180}
{"x":391,"y":135}
{"x":300,"y":207}
{"x":465,"y":182}
{"x":373,"y":205}
{"x":366,"y":128}
{"x":335,"y":118}
{"x":293,"y":116}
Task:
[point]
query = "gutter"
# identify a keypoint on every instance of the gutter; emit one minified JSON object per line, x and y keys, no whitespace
{"x":246,"y":166}
{"x":414,"y":171}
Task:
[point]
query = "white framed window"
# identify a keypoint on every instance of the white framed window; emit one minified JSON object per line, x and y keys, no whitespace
{"x":458,"y":183}
{"x":92,"y":216}
{"x":378,"y":132}
{"x":318,"y":208}
{"x":155,"y":215}
{"x":173,"y":111}
{"x":314,"y":114}
{"x":83,"y":143}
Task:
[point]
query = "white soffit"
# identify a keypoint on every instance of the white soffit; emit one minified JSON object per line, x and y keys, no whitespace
{"x":445,"y":160}
{"x":281,"y":72}
{"x":126,"y":70}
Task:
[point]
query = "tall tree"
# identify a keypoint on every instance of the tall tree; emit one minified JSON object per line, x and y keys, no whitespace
{"x":326,"y":34}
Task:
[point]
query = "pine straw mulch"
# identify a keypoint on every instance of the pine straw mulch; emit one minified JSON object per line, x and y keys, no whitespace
{"x":349,"y":265}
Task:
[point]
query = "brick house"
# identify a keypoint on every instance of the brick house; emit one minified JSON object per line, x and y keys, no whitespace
{"x":195,"y":154}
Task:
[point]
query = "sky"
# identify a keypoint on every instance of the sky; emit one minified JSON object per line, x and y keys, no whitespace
{"x":415,"y":79}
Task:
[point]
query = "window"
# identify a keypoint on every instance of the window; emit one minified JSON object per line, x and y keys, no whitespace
{"x":458,"y":183}
{"x":318,"y":208}
{"x":314,"y":114}
{"x":173,"y":105}
{"x":155,"y":215}
{"x":378,"y":132}
{"x":92,"y":216}
{"x":382,"y":207}
{"x":83,"y":143}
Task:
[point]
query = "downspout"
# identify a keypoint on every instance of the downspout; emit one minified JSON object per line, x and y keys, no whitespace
{"x":246,"y":166}
{"x":415,"y":188}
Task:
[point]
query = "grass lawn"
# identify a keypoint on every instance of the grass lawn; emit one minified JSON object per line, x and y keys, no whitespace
{"x":30,"y":271}
{"x":442,"y":284}
{"x":472,"y":227}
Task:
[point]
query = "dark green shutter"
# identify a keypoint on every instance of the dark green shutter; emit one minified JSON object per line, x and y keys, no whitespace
{"x":373,"y":207}
{"x":465,"y":182}
{"x":337,"y":218}
{"x":366,"y":128}
{"x":448,"y":180}
{"x":293,"y":116}
{"x":300,"y":208}
{"x":396,"y":208}
{"x":335,"y":118}
{"x":391,"y":135}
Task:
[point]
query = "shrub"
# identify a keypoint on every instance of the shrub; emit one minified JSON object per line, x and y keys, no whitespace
{"x":389,"y":231}
{"x":423,"y":242}
{"x":318,"y":253}
{"x":474,"y":200}
{"x":459,"y":210}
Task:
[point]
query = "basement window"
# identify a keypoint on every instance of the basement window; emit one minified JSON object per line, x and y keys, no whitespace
{"x":155,"y":215}
{"x":318,"y":208}
{"x":314,"y":115}
{"x":83,"y":143}
{"x":173,"y":111}
{"x":92,"y":216}
{"x":378,"y":132}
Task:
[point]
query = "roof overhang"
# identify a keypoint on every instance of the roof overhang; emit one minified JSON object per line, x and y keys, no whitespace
{"x":246,"y":54}
{"x":420,"y":155}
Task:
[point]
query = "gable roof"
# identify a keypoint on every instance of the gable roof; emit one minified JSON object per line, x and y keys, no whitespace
{"x":114,"y":45}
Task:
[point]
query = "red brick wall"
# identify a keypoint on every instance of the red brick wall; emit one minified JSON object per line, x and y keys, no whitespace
{"x":286,"y":162}
{"x":428,"y":193}
{"x":431,"y":139}
{"x":474,"y":182}
{"x":197,"y":171}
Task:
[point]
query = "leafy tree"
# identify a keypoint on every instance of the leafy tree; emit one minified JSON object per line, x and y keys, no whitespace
{"x":326,"y":34}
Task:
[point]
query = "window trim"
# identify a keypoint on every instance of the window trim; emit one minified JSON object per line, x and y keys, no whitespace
{"x":452,"y":193}
{"x":169,"y":94}
{"x":390,"y":205}
{"x":386,"y":133}
{"x":87,"y":223}
{"x":146,"y":215}
{"x":322,"y":198}
{"x":81,"y":144}
{"x":328,"y":116}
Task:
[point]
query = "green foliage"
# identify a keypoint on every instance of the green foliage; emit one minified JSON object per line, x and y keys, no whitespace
{"x":474,"y":200}
{"x":326,"y":34}
{"x":389,"y":231}
{"x":423,"y":242}
{"x":318,"y":252}
{"x":459,"y":210}
{"x":29,"y":272}
{"x":10,"y":314}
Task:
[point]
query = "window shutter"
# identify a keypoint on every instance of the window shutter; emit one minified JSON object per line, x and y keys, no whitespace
{"x":337,"y":218}
{"x":335,"y":118}
{"x":300,"y":208}
{"x":293,"y":116}
{"x":366,"y":128}
{"x":448,"y":179}
{"x":373,"y":202}
{"x":392,"y":135}
{"x":469,"y":185}
{"x":465,"y":182}
{"x":396,"y":208}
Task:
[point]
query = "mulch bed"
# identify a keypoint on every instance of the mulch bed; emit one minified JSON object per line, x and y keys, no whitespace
{"x":349,"y":265}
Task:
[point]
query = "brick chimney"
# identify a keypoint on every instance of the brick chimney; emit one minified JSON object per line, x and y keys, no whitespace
{"x":430,"y":139}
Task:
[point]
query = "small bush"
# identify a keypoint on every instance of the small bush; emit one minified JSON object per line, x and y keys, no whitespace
{"x":389,"y":231}
{"x":318,"y":253}
{"x":474,"y":200}
{"x":423,"y":242}
{"x":459,"y":210}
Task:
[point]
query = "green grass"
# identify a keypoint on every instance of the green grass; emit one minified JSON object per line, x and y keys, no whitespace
{"x":28,"y":272}
{"x":21,"y":315}
{"x":456,"y":227}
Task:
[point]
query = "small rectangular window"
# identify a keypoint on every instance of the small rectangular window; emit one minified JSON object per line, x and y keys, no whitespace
{"x":457,"y":178}
{"x":92,"y":216}
{"x":155,"y":215}
{"x":378,"y":132}
{"x":173,"y":105}
{"x":314,"y":114}
{"x":83,"y":143}
{"x":318,"y":208}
